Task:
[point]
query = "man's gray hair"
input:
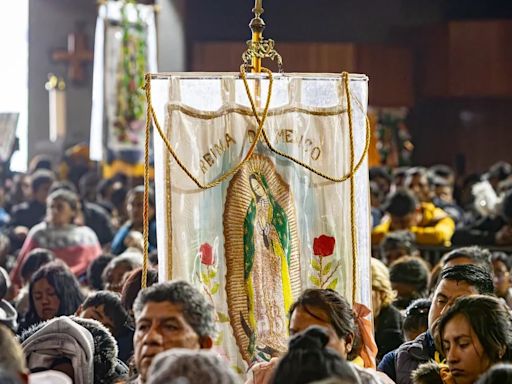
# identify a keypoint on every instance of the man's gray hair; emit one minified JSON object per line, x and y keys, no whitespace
{"x":186,"y":366}
{"x":198,"y":312}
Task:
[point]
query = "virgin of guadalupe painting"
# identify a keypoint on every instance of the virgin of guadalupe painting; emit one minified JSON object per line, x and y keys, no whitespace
{"x":262,"y":258}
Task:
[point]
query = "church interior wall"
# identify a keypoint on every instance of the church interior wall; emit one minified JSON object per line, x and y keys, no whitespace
{"x":471,"y":134}
{"x":183,"y":25}
{"x":171,"y":35}
{"x":50,"y":21}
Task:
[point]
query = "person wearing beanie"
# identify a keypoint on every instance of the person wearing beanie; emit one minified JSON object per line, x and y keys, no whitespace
{"x":191,"y":366}
{"x":429,"y":225}
{"x":309,"y":359}
{"x":409,"y":277}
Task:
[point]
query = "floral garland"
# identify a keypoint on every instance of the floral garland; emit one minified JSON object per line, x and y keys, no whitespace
{"x":130,"y":78}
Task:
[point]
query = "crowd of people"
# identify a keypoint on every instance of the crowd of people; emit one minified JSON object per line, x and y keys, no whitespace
{"x":72,"y":309}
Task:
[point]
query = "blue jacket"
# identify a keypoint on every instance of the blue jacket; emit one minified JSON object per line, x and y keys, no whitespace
{"x":118,"y":246}
{"x":411,"y":354}
{"x":387,"y":364}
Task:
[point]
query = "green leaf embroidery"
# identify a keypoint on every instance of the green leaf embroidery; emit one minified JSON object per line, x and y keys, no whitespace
{"x":237,"y":369}
{"x":219,"y":339}
{"x":212,"y":273}
{"x":327,"y":268}
{"x":205,"y":278}
{"x":315,"y":264}
{"x":315,"y":280}
{"x":215,"y":288}
{"x":223,"y":318}
{"x":332,"y":285}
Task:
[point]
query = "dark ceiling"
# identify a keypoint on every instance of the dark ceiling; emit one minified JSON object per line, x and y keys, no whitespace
{"x":331,"y":20}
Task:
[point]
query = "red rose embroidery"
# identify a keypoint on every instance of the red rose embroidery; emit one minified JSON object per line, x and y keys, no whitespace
{"x":206,"y":252}
{"x":323,"y":245}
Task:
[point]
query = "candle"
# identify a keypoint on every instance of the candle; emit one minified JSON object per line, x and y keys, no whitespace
{"x":57,"y":108}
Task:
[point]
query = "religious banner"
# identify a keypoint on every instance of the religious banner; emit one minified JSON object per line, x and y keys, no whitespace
{"x":124,"y":50}
{"x":8,"y":125}
{"x":262,"y":195}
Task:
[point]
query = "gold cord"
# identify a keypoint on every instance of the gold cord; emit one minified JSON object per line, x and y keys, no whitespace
{"x":353,"y":229}
{"x":145,"y":228}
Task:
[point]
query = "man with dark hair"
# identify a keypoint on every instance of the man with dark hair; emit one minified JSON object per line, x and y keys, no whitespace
{"x":429,"y":225}
{"x":382,"y":178}
{"x":442,"y":190}
{"x":95,"y":271}
{"x":135,"y":209}
{"x":443,"y":171}
{"x":397,"y":244}
{"x":409,"y":277}
{"x":417,"y":180}
{"x":170,"y":315}
{"x":468,"y":255}
{"x":456,"y":281}
{"x":502,"y":265}
{"x":443,"y":198}
{"x":399,"y":174}
{"x":104,"y":192}
{"x":105,"y":307}
{"x":489,"y":230}
{"x":32,"y":212}
{"x":430,"y":187}
{"x":36,"y":258}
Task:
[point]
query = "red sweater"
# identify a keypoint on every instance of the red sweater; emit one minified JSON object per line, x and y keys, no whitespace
{"x":77,"y":246}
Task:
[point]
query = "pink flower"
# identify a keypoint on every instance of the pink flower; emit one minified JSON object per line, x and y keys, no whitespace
{"x":206,"y":252}
{"x":323,"y":245}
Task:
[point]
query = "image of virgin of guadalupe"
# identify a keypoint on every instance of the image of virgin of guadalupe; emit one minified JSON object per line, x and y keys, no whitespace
{"x":266,"y":263}
{"x":262,"y":258}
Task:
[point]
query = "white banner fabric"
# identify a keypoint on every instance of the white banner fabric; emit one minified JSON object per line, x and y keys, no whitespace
{"x":252,"y":243}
